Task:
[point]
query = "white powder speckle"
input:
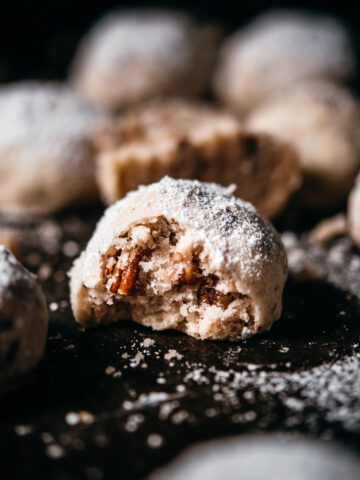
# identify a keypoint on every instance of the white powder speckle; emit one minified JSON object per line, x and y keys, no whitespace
{"x":173,"y":354}
{"x":55,"y":451}
{"x":154,"y":440}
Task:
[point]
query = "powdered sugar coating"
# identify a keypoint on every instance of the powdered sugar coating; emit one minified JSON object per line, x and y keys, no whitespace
{"x":23,"y":319}
{"x":354,"y":212}
{"x":222,"y":222}
{"x":278,"y":48}
{"x":130,"y":56}
{"x":10,"y":269}
{"x":45,"y":160}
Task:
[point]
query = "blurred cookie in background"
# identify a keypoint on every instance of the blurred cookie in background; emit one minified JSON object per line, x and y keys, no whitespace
{"x":277,"y":49}
{"x":132,"y":56}
{"x":322,"y":121}
{"x":194,"y":140}
{"x":10,"y":239}
{"x":353,"y":216}
{"x":255,"y":457}
{"x":46,"y":161}
{"x":23,"y":321}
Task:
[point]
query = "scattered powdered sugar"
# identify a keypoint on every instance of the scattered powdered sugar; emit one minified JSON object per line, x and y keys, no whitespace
{"x":55,"y":451}
{"x":155,"y":440}
{"x":146,"y":400}
{"x":173,"y":354}
{"x":148,"y":342}
{"x":311,"y":260}
{"x":331,"y":388}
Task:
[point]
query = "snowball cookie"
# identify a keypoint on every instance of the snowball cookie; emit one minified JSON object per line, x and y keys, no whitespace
{"x":194,"y":140}
{"x":131,"y":56}
{"x":23,"y":319}
{"x":258,"y":456}
{"x":45,"y":158}
{"x":275,"y":50}
{"x":354,"y":212}
{"x":185,"y":255}
{"x":322,"y":121}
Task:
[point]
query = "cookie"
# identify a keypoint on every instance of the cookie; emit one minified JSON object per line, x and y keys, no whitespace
{"x":132,"y":56}
{"x":194,"y":140}
{"x":277,"y":49}
{"x":353,"y":216}
{"x":263,"y":455}
{"x":23,"y":320}
{"x":322,"y":121}
{"x":45,"y":158}
{"x":9,"y":238}
{"x":184,"y":255}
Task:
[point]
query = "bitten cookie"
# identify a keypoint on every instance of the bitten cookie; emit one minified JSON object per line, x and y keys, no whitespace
{"x":23,"y":320}
{"x":132,"y":56}
{"x":184,"y":255}
{"x":353,"y":216}
{"x":45,"y":157}
{"x":322,"y":121}
{"x":277,"y":49}
{"x":194,"y":140}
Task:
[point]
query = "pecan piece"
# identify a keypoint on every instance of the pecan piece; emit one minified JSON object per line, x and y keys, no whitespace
{"x":206,"y":292}
{"x":117,"y":273}
{"x":110,"y":265}
{"x":130,"y":272}
{"x":184,"y":273}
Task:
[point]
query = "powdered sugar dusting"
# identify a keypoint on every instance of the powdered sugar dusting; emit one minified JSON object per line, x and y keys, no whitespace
{"x":44,"y":119}
{"x":11,"y":271}
{"x":226,"y":224}
{"x":298,"y":43}
{"x":143,"y":35}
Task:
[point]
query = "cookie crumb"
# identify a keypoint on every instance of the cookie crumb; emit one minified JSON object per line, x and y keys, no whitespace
{"x":55,"y":451}
{"x":154,"y":440}
{"x":173,"y":354}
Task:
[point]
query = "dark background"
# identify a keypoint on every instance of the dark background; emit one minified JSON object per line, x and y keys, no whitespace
{"x":38,"y":37}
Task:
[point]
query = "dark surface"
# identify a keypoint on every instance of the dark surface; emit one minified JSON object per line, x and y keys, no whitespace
{"x":224,"y":387}
{"x":300,"y":377}
{"x":38,"y":38}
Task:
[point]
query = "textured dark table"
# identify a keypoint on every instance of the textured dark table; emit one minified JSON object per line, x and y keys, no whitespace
{"x":116,"y":402}
{"x":112,"y":404}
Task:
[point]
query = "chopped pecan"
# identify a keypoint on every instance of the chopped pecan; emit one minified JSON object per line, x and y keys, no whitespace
{"x":207,"y":292}
{"x":123,"y":271}
{"x":110,"y":265}
{"x":130,"y":272}
{"x":117,"y":273}
{"x":172,"y":238}
{"x":184,"y":273}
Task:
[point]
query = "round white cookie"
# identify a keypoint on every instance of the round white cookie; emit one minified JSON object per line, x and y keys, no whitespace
{"x":131,"y":56}
{"x":23,"y":320}
{"x":185,"y":255}
{"x":259,"y":456}
{"x":45,"y":157}
{"x":277,"y":49}
{"x":322,"y":121}
{"x":353,"y":216}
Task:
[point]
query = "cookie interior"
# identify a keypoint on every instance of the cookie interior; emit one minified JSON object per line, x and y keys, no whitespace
{"x":157,"y":275}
